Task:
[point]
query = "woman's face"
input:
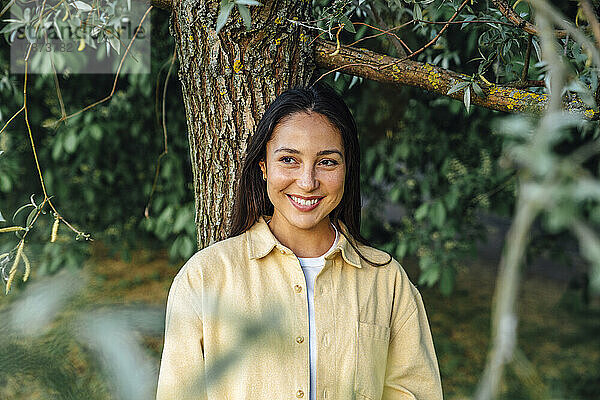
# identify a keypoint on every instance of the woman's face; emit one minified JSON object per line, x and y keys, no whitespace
{"x":305,"y":169}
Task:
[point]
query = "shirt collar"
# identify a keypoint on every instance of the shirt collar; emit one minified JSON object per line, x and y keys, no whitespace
{"x":261,"y":242}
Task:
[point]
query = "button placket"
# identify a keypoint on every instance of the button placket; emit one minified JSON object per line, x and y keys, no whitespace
{"x":325,"y":328}
{"x":302,"y":367}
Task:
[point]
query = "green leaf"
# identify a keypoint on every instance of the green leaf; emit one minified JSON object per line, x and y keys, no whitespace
{"x":437,"y":214}
{"x":248,"y":2}
{"x":421,"y":211}
{"x":401,"y":250}
{"x":57,"y":29}
{"x":96,"y":132}
{"x":81,"y":6}
{"x":403,"y":150}
{"x":31,"y":216}
{"x":224,"y":11}
{"x":417,"y":13}
{"x":183,"y":218}
{"x":477,"y":89}
{"x":347,"y":24}
{"x":11,"y":27}
{"x":70,"y":143}
{"x":447,"y":281}
{"x":115,"y":44}
{"x":187,"y":247}
{"x":57,"y":149}
{"x":395,"y":194}
{"x":245,"y":13}
{"x":458,"y":87}
{"x":431,"y":273}
{"x":21,"y":209}
{"x":379,"y":173}
{"x":451,"y":198}
{"x":467,"y":99}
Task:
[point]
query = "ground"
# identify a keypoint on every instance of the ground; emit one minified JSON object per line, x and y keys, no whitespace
{"x":559,"y":337}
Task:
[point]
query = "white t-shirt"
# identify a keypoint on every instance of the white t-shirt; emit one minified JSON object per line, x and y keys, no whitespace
{"x":311,"y":267}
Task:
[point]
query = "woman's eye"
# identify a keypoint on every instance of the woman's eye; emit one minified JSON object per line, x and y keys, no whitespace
{"x":326,"y":162}
{"x":286,"y":160}
{"x":330,"y":163}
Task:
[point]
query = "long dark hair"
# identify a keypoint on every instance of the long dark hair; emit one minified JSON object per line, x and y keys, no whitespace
{"x":251,"y":200}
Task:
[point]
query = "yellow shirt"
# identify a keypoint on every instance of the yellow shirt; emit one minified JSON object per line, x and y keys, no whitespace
{"x":237,"y":326}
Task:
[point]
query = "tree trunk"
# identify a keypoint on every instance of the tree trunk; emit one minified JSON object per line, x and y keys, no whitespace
{"x":228,"y":80}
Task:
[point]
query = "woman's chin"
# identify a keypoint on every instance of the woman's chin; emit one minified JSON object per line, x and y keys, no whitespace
{"x":306,"y":222}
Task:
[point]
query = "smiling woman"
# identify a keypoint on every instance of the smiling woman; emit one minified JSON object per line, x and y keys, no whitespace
{"x":305,"y":170}
{"x":352,"y":325}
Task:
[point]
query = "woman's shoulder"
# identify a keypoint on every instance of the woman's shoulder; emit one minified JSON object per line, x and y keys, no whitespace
{"x":386,"y":264}
{"x":376,"y":255}
{"x":215,"y":255}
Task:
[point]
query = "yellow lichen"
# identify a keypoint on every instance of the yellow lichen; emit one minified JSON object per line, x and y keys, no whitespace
{"x":433,"y":77}
{"x":396,"y":72}
{"x":237,"y":66}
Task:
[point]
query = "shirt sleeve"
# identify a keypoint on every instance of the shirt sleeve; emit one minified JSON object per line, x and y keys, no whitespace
{"x":181,"y":374}
{"x":412,"y":370}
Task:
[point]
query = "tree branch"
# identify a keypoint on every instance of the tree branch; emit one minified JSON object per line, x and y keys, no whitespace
{"x":166,"y":5}
{"x":511,"y":15}
{"x":379,"y":21}
{"x":590,"y":15}
{"x":368,"y":64}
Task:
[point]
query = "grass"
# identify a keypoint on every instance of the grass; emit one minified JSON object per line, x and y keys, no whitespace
{"x":559,"y":338}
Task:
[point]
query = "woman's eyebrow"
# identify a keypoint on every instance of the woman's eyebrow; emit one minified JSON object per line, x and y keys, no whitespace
{"x":320,"y":153}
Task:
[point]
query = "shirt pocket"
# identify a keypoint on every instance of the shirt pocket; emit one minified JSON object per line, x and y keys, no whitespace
{"x":371,"y":360}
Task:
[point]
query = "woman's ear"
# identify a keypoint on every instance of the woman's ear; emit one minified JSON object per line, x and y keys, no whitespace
{"x":263,"y":167}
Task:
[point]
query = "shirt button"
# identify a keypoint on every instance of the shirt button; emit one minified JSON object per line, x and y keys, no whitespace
{"x":326,"y":340}
{"x":299,"y":394}
{"x":300,"y":339}
{"x":298,"y":288}
{"x":282,"y":251}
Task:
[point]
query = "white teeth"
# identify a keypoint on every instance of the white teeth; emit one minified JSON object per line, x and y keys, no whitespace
{"x":304,"y":202}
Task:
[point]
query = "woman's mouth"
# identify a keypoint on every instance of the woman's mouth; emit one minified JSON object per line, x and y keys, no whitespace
{"x":304,"y":205}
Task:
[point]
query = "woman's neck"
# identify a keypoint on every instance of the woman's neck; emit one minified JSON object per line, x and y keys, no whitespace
{"x":304,"y":242}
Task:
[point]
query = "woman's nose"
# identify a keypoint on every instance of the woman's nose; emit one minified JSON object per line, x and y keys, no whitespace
{"x":308,"y":180}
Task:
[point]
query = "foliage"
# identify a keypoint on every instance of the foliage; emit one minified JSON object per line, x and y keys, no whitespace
{"x":67,"y":348}
{"x":439,"y":176}
{"x":98,"y":165}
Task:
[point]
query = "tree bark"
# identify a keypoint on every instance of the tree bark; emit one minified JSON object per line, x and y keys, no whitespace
{"x":228,"y":79}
